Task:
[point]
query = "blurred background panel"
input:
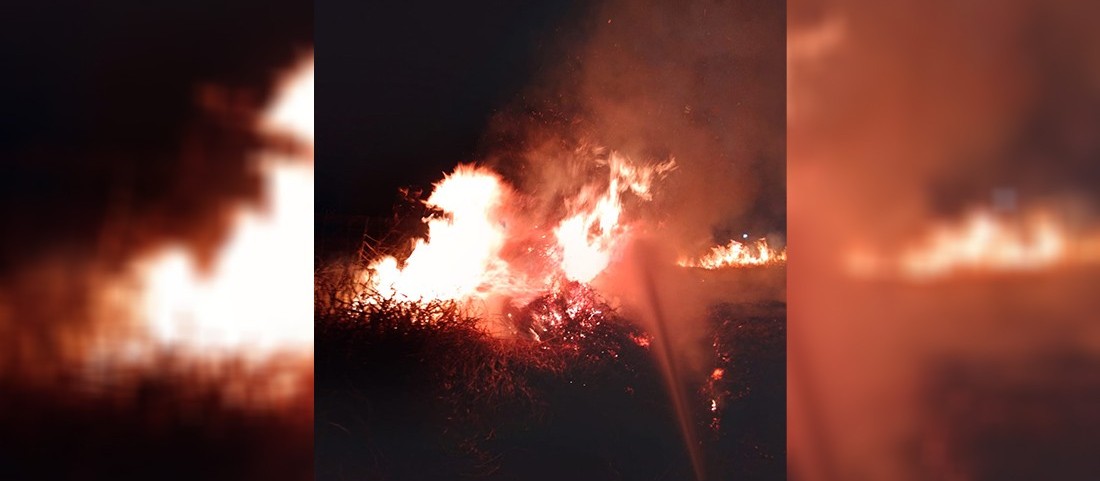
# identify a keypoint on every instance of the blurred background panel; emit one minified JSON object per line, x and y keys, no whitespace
{"x":148,"y":153}
{"x":942,"y":185}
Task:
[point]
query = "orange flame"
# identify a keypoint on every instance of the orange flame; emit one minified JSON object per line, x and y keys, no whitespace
{"x":257,"y":297}
{"x":984,"y":243}
{"x":462,"y":258}
{"x":737,"y":254}
{"x":590,"y":236}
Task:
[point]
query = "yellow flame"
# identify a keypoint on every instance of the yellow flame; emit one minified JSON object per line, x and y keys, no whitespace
{"x":461,"y":257}
{"x":593,"y":234}
{"x":737,"y":254}
{"x":257,"y":297}
{"x":292,"y":113}
{"x":986,"y":242}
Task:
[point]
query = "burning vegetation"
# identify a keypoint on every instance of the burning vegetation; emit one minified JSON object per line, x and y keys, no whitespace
{"x":525,"y":316}
{"x":737,"y":254}
{"x":480,"y":249}
{"x":984,"y":242}
{"x":577,"y":390}
{"x":489,"y":329}
{"x":193,"y":357}
{"x":239,"y":306}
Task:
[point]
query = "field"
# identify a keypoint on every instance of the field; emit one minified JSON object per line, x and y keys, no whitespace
{"x":151,"y":426}
{"x":408,"y":391}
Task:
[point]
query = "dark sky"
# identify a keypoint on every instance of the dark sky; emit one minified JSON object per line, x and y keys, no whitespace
{"x":98,"y":95}
{"x":406,"y":89}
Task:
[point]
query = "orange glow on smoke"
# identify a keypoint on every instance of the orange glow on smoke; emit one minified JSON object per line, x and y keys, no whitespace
{"x":462,"y":258}
{"x":590,"y":236}
{"x":257,"y":297}
{"x":737,"y":254}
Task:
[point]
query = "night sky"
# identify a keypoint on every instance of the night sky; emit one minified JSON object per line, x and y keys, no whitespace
{"x":408,"y":88}
{"x":99,"y":98}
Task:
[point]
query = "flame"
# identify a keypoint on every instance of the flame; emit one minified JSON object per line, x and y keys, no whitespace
{"x":463,"y":258}
{"x":984,"y":242}
{"x":737,"y":254}
{"x":590,"y":236}
{"x":257,"y":297}
{"x":292,"y":113}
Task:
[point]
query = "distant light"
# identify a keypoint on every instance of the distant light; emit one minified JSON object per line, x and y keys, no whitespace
{"x":744,"y":236}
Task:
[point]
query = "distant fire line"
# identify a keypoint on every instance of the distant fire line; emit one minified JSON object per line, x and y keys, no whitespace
{"x":737,"y":254}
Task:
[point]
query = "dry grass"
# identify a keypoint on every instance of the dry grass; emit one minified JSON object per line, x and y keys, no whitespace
{"x":421,"y":391}
{"x":390,"y":371}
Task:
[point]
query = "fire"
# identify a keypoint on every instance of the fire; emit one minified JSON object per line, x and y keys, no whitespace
{"x":292,"y":113}
{"x":257,"y":297}
{"x":984,"y":242}
{"x":737,"y":254}
{"x":590,"y":237}
{"x":461,"y":259}
{"x":464,"y":259}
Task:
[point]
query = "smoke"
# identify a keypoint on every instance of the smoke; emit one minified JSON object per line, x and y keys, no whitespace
{"x":902,"y":115}
{"x":701,"y":83}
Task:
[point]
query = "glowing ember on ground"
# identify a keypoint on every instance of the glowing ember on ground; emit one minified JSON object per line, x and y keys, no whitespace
{"x":737,"y":254}
{"x":641,"y":341}
{"x":256,"y":297}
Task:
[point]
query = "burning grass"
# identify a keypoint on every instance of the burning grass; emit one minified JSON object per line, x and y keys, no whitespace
{"x":422,"y":390}
{"x":176,"y":346}
{"x":473,"y":339}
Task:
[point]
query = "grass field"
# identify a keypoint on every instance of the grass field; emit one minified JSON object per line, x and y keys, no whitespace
{"x":414,"y":392}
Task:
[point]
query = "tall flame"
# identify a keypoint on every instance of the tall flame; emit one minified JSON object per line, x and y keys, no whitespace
{"x":462,"y":257}
{"x":257,"y":296}
{"x":590,"y":236}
